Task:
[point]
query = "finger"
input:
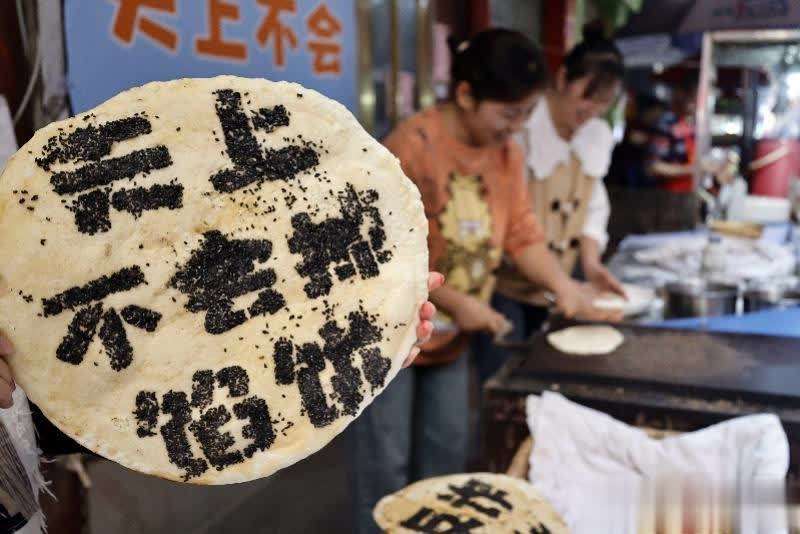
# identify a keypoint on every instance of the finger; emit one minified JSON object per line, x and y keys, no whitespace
{"x":424,"y":332}
{"x":411,"y":356}
{"x":427,"y":311}
{"x":607,"y":316}
{"x":596,"y":289}
{"x":6,"y":400}
{"x":7,"y":385}
{"x":501,"y":328}
{"x":498,"y":324}
{"x":567,"y":311}
{"x":435,"y":281}
{"x":6,"y":348}
{"x":504,"y":325}
{"x":616,"y":286}
{"x":5,"y":372}
{"x":616,"y":317}
{"x":493,"y":326}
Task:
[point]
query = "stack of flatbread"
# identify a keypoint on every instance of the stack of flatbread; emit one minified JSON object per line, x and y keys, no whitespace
{"x":208,"y":279}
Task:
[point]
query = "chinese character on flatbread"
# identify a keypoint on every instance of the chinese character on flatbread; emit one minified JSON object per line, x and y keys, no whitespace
{"x":476,"y":503}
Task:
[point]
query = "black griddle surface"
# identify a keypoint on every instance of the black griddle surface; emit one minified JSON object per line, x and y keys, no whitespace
{"x":734,"y":363}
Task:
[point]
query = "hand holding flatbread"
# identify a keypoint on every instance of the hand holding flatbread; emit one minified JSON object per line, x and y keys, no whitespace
{"x":579,"y":303}
{"x":426,"y":313}
{"x":603,"y":280}
{"x":208,"y":279}
{"x":7,"y":385}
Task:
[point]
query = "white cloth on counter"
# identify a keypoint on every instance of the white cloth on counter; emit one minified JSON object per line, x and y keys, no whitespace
{"x":592,"y":144}
{"x":679,"y":258}
{"x":773,"y":233}
{"x":640,"y":241}
{"x":598,"y":472}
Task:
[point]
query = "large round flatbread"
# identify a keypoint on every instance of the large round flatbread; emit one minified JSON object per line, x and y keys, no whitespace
{"x":208,"y":279}
{"x":475,"y":503}
{"x":586,"y":340}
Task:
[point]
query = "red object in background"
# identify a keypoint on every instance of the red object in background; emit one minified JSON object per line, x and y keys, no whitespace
{"x":12,"y":67}
{"x":557,"y":18}
{"x":773,"y":180}
{"x":683,"y":184}
{"x":478,"y":16}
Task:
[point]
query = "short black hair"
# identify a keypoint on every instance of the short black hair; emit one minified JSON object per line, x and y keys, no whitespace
{"x":501,"y":65}
{"x":597,"y":57}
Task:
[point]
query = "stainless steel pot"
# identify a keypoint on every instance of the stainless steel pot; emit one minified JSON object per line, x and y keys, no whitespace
{"x":769,"y":298}
{"x":696,"y":298}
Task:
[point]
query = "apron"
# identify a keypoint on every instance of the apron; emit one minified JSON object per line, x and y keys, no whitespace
{"x":468,"y":262}
{"x":561,"y":202}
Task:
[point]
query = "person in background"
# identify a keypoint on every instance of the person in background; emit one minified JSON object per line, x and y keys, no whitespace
{"x":673,"y":151}
{"x":568,"y":151}
{"x":631,"y":159}
{"x":469,"y":171}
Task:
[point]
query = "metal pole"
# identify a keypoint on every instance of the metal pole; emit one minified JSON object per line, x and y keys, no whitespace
{"x":366,"y":85}
{"x":425,"y":93}
{"x":394,"y":67}
{"x":705,"y":106}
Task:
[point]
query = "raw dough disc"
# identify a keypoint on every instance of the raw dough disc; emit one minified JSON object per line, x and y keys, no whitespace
{"x":208,"y":279}
{"x":586,"y":340}
{"x":476,"y":503}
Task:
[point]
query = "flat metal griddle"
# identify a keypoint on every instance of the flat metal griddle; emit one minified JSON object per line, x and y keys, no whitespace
{"x":739,"y":365}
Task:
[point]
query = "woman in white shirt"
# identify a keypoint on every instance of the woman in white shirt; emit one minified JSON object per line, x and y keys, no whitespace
{"x":568,"y":150}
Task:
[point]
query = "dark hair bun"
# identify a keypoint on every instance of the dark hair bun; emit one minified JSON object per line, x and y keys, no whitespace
{"x":596,"y":57}
{"x":453,"y":43}
{"x":594,"y":32}
{"x":500,"y":65}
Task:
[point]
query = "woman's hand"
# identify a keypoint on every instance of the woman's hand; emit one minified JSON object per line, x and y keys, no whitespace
{"x":602,"y":280}
{"x":474,"y":315}
{"x":569,"y":300}
{"x":426,"y":313}
{"x":7,"y":385}
{"x":576,"y":300}
{"x":602,"y":315}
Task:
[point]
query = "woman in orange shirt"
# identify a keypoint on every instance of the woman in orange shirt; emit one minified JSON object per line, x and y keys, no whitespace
{"x":470,"y":173}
